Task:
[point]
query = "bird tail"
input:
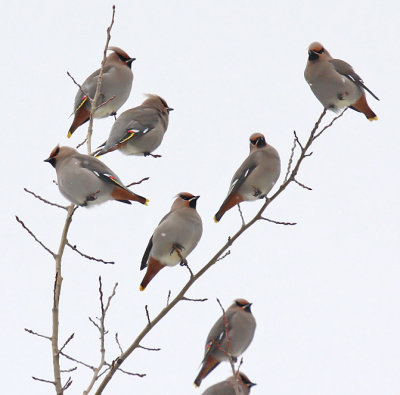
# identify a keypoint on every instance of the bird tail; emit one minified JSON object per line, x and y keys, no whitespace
{"x":125,"y":195}
{"x":230,"y":201}
{"x":209,"y":364}
{"x":361,"y":105}
{"x":153,"y":268}
{"x":82,"y":115}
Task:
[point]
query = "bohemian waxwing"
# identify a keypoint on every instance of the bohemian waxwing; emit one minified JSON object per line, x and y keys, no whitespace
{"x":334,"y":82}
{"x":174,"y":239}
{"x":255,"y":177}
{"x":85,"y":180}
{"x":227,"y":387}
{"x":140,"y":130}
{"x":115,"y":88}
{"x":241,"y":327}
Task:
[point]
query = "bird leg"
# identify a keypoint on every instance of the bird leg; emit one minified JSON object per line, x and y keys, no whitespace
{"x":90,"y":198}
{"x":153,"y":155}
{"x":114,"y":114}
{"x":257,"y":192}
{"x":178,"y":249}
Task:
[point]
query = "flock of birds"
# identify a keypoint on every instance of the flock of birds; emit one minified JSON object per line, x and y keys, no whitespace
{"x":85,"y":181}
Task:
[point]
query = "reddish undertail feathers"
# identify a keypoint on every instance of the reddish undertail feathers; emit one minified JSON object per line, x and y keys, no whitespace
{"x":334,"y":82}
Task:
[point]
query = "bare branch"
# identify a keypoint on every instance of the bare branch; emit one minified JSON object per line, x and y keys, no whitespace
{"x":67,"y":384}
{"x":302,"y":185}
{"x":35,"y":238}
{"x":67,"y":341}
{"x":241,"y":214}
{"x":194,"y":300}
{"x":224,"y":256}
{"x":297,"y":140}
{"x":90,"y":258}
{"x":331,"y":123}
{"x":125,"y":372}
{"x":76,"y":360}
{"x":94,"y":323}
{"x":148,"y":349}
{"x":289,"y":166}
{"x":44,"y":200}
{"x":80,"y":144}
{"x":69,"y":370}
{"x":138,"y":182}
{"x":278,"y":222}
{"x":147,"y":315}
{"x":37,"y":334}
{"x":119,"y":345}
{"x":43,"y":381}
{"x":169,"y":295}
{"x":99,"y":81}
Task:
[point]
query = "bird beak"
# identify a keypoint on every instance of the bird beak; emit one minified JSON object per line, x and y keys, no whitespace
{"x":194,"y":198}
{"x":129,"y":62}
{"x":170,"y":109}
{"x":312,"y":55}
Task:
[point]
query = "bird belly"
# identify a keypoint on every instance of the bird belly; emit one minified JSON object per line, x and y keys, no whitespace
{"x":146,"y":143}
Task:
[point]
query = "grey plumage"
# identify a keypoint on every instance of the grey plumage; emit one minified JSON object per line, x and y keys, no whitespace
{"x":335,"y":83}
{"x":241,"y":327}
{"x":227,"y":387}
{"x":140,"y":130}
{"x":114,"y":91}
{"x":174,"y":238}
{"x":255,"y":177}
{"x":85,"y":180}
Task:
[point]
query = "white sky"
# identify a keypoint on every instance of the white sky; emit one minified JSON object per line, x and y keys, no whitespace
{"x":325,"y":292}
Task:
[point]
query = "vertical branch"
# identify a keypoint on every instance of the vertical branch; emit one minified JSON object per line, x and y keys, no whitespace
{"x":56,"y":302}
{"x":99,"y":80}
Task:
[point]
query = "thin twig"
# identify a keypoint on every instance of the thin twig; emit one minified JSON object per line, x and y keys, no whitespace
{"x":67,"y":341}
{"x":80,"y":144}
{"x":35,"y":238}
{"x":169,"y":295}
{"x":77,"y":360}
{"x":330,"y":123}
{"x":43,"y":380}
{"x":119,"y":345}
{"x":302,"y":185}
{"x":138,"y":182}
{"x":278,"y":222}
{"x":37,"y":334}
{"x":289,"y":166}
{"x":148,"y":348}
{"x":241,"y":214}
{"x":194,"y":300}
{"x":99,"y":81}
{"x":91,"y":258}
{"x":45,"y":200}
{"x":224,"y":256}
{"x":69,"y":370}
{"x":147,"y":315}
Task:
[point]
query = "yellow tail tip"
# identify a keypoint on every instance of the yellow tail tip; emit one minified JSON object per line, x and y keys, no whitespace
{"x":215,"y":219}
{"x":69,"y":134}
{"x":97,"y":156}
{"x":375,"y":118}
{"x":146,"y":203}
{"x":195,"y":385}
{"x":141,"y":288}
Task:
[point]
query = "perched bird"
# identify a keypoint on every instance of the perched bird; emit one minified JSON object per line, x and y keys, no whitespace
{"x":255,"y":177}
{"x":241,"y":326}
{"x":174,"y":239}
{"x":85,"y":180}
{"x":227,"y":387}
{"x":114,"y":90}
{"x":334,"y":82}
{"x":140,"y":130}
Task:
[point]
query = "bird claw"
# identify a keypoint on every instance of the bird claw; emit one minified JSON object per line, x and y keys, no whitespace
{"x":257,"y":192}
{"x":153,"y":155}
{"x":183,"y":262}
{"x":90,"y":198}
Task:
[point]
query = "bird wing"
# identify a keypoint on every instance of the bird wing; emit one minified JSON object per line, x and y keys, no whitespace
{"x":100,"y":170}
{"x":241,"y":174}
{"x":345,"y":69}
{"x":146,"y":254}
{"x":217,"y":334}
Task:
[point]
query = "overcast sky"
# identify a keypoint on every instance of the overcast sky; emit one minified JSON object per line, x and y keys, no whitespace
{"x":325,"y":293}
